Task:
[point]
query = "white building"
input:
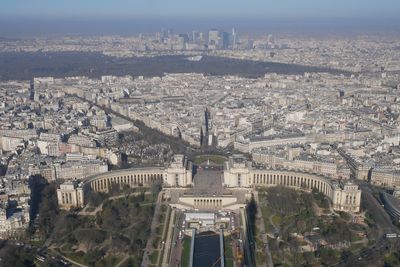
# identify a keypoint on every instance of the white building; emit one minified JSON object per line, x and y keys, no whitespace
{"x":10,"y":143}
{"x":179,"y":172}
{"x":70,"y":194}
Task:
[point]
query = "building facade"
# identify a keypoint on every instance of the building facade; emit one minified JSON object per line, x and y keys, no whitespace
{"x":178,"y":173}
{"x":70,"y":194}
{"x":238,"y":172}
{"x":385,"y":178}
{"x":314,"y":166}
{"x":14,"y":222}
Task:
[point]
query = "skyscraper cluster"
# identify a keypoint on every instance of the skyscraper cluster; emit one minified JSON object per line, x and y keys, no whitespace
{"x":213,"y":39}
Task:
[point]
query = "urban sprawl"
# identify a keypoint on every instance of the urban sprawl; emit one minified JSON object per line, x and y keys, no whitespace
{"x":340,"y":132}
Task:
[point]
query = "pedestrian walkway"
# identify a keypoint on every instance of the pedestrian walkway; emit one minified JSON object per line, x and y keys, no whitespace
{"x":153,"y":232}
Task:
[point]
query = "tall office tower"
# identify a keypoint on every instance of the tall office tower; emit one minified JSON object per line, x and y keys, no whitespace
{"x":201,"y":37}
{"x":164,"y":34}
{"x":158,"y":36}
{"x":225,"y":40}
{"x":195,"y":37}
{"x":184,"y":36}
{"x":183,"y":39}
{"x":170,"y":32}
{"x":270,"y":39}
{"x":250,"y":44}
{"x":213,"y":37}
{"x":180,"y":43}
{"x":234,"y":38}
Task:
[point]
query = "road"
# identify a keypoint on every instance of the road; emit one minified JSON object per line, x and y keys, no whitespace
{"x":363,"y":256}
{"x":372,"y":205}
{"x":67,"y":259}
{"x":168,"y":241}
{"x":176,"y":244}
{"x":383,"y":223}
{"x":248,"y":259}
{"x":264,"y":237}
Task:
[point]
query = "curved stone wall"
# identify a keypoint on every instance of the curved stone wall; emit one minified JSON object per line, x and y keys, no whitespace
{"x":135,"y":177}
{"x":345,"y":197}
{"x":292,"y":179}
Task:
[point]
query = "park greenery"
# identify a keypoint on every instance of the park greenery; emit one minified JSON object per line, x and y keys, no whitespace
{"x":12,"y":255}
{"x":118,"y":231}
{"x":295,"y":219}
{"x":186,"y":251}
{"x":229,"y":260}
{"x":392,"y":259}
{"x":44,"y":207}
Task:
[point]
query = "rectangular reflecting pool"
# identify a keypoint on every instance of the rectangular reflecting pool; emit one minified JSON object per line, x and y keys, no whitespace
{"x":207,"y":250}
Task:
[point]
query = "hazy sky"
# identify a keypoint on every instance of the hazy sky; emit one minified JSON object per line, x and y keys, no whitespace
{"x":123,"y":9}
{"x":23,"y":18}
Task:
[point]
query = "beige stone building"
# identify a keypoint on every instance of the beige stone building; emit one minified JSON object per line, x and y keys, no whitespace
{"x":70,"y":194}
{"x":346,"y":197}
{"x":177,"y":174}
{"x":238,"y":172}
{"x":306,"y":165}
{"x":8,"y":143}
{"x":385,"y":178}
{"x":358,"y":169}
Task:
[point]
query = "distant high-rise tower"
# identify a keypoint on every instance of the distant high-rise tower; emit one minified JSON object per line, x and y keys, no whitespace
{"x":195,"y":37}
{"x":163,"y":33}
{"x":213,"y":37}
{"x":183,"y":39}
{"x":250,"y":44}
{"x":225,"y":40}
{"x":234,"y":38}
{"x":170,"y":33}
{"x":184,"y":36}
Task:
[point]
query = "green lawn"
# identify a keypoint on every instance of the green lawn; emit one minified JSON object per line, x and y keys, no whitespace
{"x":276,"y":220}
{"x":356,"y":247}
{"x":153,"y":257}
{"x":228,"y":252}
{"x":291,"y":212}
{"x":186,"y":251}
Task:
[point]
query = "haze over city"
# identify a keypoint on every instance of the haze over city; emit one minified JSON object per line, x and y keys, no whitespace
{"x":207,"y":133}
{"x":47,"y":17}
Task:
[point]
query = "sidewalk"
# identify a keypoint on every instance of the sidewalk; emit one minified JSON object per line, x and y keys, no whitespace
{"x":153,"y":228}
{"x":263,"y":234}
